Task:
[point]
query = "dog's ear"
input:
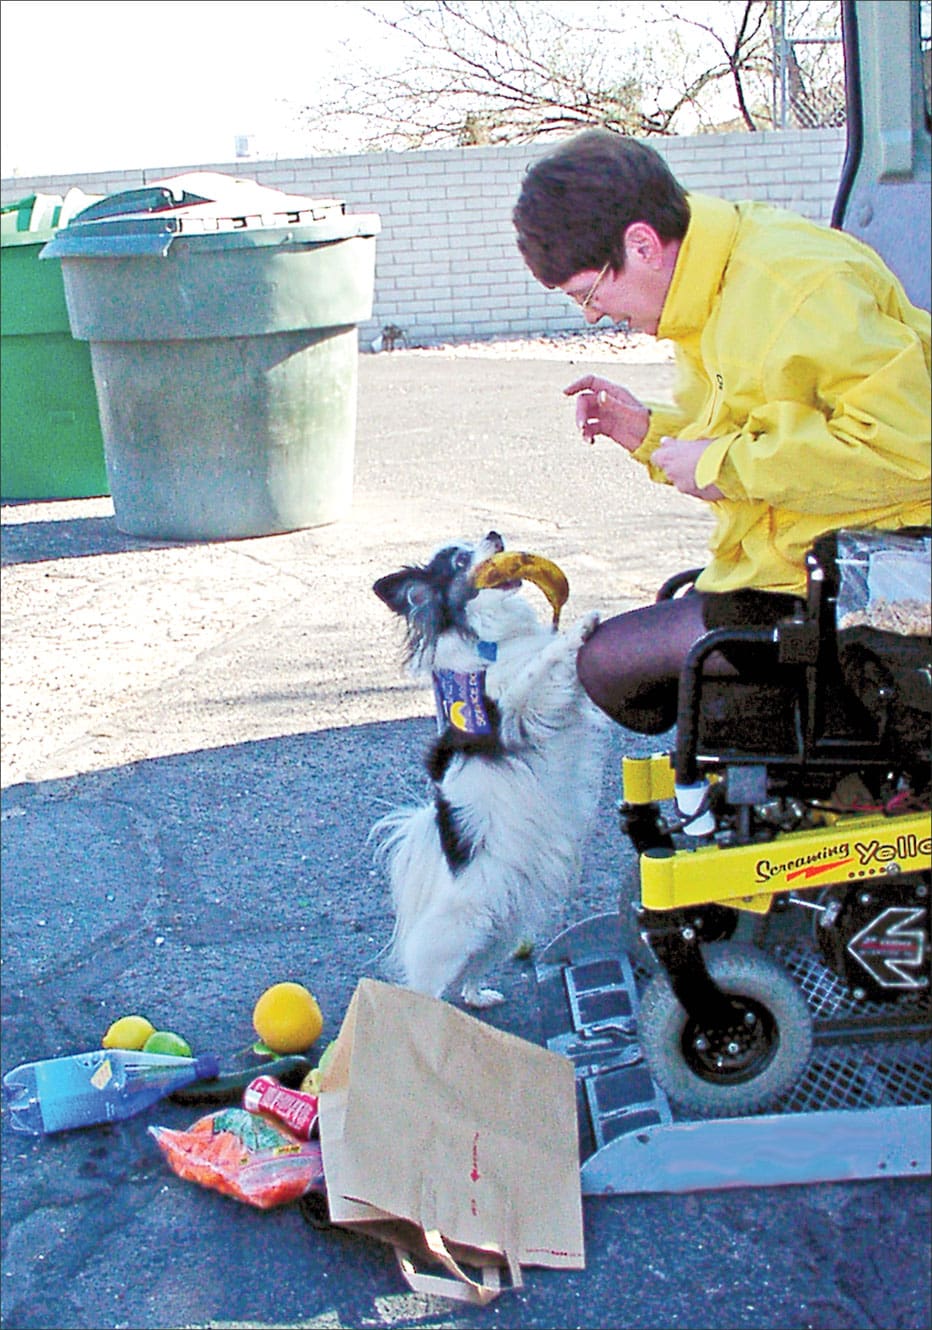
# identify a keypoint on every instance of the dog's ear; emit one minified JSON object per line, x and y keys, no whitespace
{"x":403,"y":591}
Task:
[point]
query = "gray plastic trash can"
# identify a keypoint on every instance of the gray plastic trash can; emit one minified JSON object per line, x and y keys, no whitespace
{"x":222,"y":321}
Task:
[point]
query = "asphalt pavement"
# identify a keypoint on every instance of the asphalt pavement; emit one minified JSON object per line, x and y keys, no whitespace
{"x":196,"y":741}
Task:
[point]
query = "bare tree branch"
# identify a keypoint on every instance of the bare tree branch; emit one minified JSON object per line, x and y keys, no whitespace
{"x":512,"y":71}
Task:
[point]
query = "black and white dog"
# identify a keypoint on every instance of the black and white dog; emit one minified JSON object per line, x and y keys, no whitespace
{"x":516,"y":771}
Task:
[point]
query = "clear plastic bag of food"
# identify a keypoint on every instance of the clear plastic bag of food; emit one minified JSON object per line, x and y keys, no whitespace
{"x":244,"y":1155}
{"x":884,"y":580}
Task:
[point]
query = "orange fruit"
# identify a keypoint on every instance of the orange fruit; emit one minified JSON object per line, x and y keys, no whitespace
{"x":287,"y":1018}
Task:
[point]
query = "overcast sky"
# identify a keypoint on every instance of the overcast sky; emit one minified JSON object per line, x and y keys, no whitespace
{"x":95,"y":85}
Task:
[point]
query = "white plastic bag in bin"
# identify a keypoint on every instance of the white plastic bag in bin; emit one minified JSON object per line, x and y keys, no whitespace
{"x":884,"y":581}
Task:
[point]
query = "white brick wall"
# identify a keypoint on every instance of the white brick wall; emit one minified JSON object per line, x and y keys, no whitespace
{"x":446,"y":263}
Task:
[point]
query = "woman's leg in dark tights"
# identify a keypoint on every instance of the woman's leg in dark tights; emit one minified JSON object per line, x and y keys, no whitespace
{"x":631,"y":665}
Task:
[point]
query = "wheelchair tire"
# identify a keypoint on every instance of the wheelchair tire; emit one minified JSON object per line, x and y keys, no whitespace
{"x":742,"y":1070}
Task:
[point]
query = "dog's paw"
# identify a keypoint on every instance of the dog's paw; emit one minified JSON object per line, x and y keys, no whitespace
{"x":480,"y":998}
{"x":588,"y":624}
{"x":582,"y":630}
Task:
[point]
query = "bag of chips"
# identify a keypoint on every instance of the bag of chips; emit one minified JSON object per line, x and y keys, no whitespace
{"x":244,"y":1155}
{"x":883,"y":581}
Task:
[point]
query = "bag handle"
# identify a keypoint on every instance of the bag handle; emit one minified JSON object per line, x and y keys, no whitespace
{"x":478,"y":1292}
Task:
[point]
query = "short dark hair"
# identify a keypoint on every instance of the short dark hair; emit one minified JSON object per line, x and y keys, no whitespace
{"x":578,"y":200}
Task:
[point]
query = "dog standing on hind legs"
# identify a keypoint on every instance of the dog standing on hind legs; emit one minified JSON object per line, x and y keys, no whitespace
{"x":516,"y":770}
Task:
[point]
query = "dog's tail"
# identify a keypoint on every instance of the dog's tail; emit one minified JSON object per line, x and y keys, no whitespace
{"x":385,"y":834}
{"x":407,"y":846}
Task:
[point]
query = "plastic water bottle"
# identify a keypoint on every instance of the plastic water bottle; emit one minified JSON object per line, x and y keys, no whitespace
{"x":104,"y":1085}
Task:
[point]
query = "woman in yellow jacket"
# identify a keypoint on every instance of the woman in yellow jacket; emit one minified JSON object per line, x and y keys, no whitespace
{"x":803,"y":395}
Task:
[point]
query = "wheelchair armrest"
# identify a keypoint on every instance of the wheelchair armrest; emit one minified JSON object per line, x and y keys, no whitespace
{"x":676,"y":583}
{"x":687,"y":718}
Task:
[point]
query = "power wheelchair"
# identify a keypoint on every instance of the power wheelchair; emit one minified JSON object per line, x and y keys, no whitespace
{"x":796,"y":800}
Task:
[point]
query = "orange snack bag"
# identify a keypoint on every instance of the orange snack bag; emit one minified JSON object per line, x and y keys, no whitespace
{"x":244,"y":1155}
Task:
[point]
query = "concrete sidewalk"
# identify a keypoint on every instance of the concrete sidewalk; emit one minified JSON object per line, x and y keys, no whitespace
{"x":196,"y":740}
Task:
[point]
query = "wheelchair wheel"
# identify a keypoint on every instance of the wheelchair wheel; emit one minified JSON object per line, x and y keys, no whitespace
{"x":741,"y":1069}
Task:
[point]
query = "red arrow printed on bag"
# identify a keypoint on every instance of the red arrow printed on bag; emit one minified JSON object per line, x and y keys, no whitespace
{"x":474,"y":1172}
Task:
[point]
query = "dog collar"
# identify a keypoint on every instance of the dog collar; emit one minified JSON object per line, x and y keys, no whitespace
{"x":488,"y":651}
{"x":461,"y":701}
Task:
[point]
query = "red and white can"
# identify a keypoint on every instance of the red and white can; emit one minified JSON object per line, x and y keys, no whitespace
{"x":295,"y":1108}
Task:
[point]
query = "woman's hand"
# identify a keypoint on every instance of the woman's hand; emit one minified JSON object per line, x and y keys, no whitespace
{"x":603,"y":407}
{"x":678,"y":458}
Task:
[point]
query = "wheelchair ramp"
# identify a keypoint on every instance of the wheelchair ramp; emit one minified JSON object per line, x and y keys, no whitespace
{"x":861,"y":1109}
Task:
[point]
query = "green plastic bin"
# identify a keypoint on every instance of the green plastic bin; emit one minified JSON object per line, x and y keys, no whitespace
{"x":222,"y":319}
{"x":52,"y":447}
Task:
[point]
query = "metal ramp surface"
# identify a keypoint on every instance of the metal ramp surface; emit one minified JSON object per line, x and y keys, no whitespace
{"x":861,"y":1110}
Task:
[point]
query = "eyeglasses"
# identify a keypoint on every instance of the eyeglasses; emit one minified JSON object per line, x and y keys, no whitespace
{"x":587,"y":298}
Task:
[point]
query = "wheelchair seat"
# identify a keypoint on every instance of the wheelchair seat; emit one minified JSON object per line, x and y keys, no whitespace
{"x":843,"y":685}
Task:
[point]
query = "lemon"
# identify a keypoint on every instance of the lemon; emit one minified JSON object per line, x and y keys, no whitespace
{"x":166,"y":1041}
{"x":128,"y":1032}
{"x":287,"y":1018}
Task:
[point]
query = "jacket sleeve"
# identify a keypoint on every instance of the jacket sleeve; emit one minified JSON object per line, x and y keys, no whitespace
{"x":666,"y":418}
{"x":844,"y":420}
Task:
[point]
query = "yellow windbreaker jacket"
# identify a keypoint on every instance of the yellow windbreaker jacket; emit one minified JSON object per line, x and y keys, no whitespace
{"x":800,"y":355}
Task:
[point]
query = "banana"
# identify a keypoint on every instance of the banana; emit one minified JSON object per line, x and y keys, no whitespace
{"x":519,"y":566}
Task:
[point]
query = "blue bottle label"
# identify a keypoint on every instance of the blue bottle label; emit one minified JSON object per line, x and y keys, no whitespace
{"x":72,"y":1091}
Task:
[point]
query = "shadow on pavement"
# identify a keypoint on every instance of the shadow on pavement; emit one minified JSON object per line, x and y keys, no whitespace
{"x":181,"y":887}
{"x":71,"y":538}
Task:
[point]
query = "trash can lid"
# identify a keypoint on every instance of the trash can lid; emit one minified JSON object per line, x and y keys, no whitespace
{"x":235,"y":212}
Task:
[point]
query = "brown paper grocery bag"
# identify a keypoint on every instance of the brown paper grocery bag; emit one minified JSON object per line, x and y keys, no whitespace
{"x":452,"y":1140}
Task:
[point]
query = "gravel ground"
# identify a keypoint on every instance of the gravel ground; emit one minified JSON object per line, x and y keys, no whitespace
{"x":593,"y":344}
{"x":197,"y":738}
{"x":110,"y":642}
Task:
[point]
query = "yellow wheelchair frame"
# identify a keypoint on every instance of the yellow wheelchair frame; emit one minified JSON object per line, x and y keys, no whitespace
{"x":845,"y":850}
